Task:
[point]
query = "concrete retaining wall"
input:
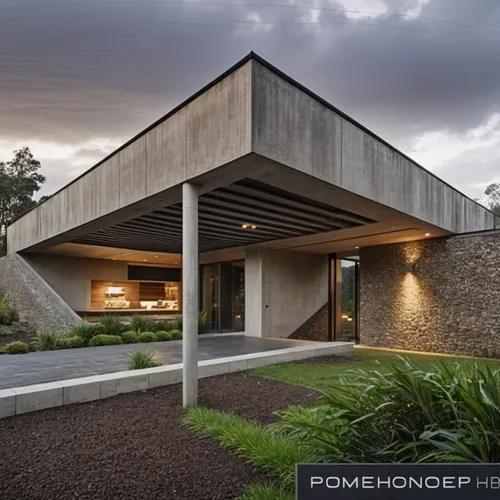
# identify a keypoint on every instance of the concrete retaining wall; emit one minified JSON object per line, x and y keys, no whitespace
{"x":32,"y":296}
{"x":283,"y":289}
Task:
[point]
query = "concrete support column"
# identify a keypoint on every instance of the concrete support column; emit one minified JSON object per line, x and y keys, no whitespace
{"x":190,"y":294}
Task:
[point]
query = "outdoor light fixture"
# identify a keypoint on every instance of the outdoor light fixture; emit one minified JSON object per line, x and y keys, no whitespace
{"x":249,"y":226}
{"x":410,"y":268}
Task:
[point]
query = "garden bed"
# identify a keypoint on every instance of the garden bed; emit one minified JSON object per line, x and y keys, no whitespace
{"x":135,"y":446}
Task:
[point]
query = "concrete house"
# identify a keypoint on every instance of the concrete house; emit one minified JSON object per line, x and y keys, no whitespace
{"x":262,"y":204}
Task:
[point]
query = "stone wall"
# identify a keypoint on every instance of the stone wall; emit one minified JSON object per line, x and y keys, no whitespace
{"x":315,"y":328}
{"x":449,"y":304}
{"x":32,"y":297}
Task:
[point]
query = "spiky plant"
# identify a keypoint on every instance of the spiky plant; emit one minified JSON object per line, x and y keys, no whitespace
{"x":140,"y":359}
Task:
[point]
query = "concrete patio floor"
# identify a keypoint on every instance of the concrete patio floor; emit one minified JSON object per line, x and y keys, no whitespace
{"x":50,"y":366}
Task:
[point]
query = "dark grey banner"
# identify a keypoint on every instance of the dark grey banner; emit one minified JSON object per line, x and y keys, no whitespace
{"x":398,"y":481}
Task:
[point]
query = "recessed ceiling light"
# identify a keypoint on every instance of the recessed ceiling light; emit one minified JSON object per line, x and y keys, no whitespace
{"x":244,"y":226}
{"x":427,"y":234}
{"x":254,"y":226}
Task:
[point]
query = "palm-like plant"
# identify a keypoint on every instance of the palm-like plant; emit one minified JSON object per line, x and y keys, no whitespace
{"x":46,"y":341}
{"x":451,"y":414}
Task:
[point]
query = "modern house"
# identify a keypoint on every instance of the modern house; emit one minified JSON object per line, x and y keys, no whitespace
{"x":262,"y":204}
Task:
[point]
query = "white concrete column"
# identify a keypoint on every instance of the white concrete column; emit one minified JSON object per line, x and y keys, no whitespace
{"x":190,"y":294}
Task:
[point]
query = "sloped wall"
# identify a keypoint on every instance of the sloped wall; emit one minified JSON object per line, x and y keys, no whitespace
{"x":32,"y":296}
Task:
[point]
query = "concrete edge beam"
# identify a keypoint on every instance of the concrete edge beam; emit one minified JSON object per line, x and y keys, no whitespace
{"x":19,"y":400}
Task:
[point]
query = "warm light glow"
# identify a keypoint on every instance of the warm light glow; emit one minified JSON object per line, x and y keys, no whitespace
{"x":345,"y":316}
{"x":115,"y":290}
{"x":349,"y":319}
{"x":244,"y":226}
{"x":427,"y":234}
{"x":145,"y":260}
{"x":249,"y":226}
{"x":156,"y":256}
{"x":356,"y":248}
{"x":254,"y":226}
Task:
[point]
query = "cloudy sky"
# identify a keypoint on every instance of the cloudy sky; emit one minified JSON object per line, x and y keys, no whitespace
{"x":80,"y":77}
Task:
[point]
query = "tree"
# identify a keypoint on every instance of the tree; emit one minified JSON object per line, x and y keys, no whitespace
{"x":493,"y":193}
{"x":19,"y":181}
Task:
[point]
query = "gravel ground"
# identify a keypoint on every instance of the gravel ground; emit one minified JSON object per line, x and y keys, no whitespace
{"x":133,"y":446}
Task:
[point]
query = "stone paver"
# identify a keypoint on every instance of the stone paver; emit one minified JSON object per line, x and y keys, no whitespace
{"x":42,"y":367}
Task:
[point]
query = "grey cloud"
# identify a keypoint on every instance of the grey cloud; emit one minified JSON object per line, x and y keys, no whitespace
{"x":74,"y":70}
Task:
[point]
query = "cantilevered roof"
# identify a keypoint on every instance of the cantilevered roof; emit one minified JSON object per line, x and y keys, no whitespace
{"x":250,"y":121}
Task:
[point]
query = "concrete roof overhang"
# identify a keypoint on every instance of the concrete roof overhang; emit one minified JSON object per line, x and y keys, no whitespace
{"x":264,"y":151}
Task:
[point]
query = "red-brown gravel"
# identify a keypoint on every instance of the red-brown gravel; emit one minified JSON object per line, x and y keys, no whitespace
{"x":133,"y":446}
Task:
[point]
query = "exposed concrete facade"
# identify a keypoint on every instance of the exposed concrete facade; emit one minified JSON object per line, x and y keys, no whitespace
{"x":295,"y":129}
{"x":282,"y":290}
{"x":32,"y":297}
{"x":252,"y":109}
{"x":449,"y":304}
{"x":70,"y":277}
{"x":211,"y":130}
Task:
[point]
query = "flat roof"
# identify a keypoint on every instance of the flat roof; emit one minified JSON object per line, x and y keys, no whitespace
{"x":253,"y":56}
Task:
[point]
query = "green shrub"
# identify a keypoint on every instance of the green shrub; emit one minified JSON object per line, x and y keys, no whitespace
{"x":111,"y":325}
{"x":6,"y":330}
{"x":140,"y":324}
{"x":161,"y":326}
{"x":140,"y":359}
{"x":202,"y":321}
{"x":130,"y":337}
{"x":7,"y":313}
{"x":86,"y":331}
{"x":450,"y":414}
{"x":162,"y":336}
{"x":175,"y":335}
{"x":103,"y":339}
{"x":69,"y":342}
{"x":45,"y":341}
{"x":15,"y":348}
{"x":147,"y":337}
{"x":177,"y":323}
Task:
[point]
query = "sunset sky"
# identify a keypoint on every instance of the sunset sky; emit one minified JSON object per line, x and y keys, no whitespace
{"x":80,"y":77}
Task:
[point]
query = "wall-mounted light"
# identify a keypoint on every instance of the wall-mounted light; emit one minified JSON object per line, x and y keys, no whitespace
{"x":410,"y":268}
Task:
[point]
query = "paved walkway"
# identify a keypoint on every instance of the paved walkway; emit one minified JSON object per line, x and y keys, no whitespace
{"x":50,"y":366}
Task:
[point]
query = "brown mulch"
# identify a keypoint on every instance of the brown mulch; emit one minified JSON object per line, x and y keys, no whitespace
{"x":133,"y":446}
{"x":328,"y":360}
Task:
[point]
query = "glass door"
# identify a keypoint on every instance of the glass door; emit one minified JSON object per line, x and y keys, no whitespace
{"x":223,"y":296}
{"x":343,"y":317}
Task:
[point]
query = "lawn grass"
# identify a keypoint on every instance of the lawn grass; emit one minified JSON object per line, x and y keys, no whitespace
{"x":320,"y":376}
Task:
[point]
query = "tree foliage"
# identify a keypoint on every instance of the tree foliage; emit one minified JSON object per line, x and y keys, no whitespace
{"x":19,"y":181}
{"x":493,"y":193}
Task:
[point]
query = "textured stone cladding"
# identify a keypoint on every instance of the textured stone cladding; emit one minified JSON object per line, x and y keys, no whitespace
{"x":32,"y":297}
{"x":315,"y":328}
{"x":449,"y":304}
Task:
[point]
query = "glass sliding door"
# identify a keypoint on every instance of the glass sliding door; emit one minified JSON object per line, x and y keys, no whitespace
{"x":223,"y":296}
{"x":344,"y":299}
{"x":211,"y":295}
